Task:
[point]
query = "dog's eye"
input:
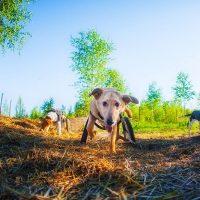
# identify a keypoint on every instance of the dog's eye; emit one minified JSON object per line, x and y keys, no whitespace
{"x":117,"y":104}
{"x":105,"y":103}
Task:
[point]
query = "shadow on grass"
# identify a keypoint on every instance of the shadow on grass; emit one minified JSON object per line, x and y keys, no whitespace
{"x":32,"y":164}
{"x":152,"y":169}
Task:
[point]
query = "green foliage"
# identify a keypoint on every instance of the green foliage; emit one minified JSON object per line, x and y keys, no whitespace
{"x":35,"y":113}
{"x":20,"y":110}
{"x":114,"y":80}
{"x":47,"y":105}
{"x":14,"y":15}
{"x":90,"y":59}
{"x":153,"y":94}
{"x":70,"y":113}
{"x":166,"y":114}
{"x":183,"y":91}
{"x":152,"y":102}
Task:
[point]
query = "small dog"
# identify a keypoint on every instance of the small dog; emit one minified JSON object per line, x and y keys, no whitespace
{"x":55,"y":116}
{"x":194,"y":116}
{"x":106,"y":107}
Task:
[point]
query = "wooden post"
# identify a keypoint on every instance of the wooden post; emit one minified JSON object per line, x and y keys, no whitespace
{"x":10,"y":107}
{"x":176,"y":115}
{"x":1,"y":102}
{"x":165,"y":113}
{"x":139,"y":112}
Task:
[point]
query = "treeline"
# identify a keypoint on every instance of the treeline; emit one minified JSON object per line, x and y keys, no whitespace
{"x":168,"y":113}
{"x":153,"y":111}
{"x":20,"y":110}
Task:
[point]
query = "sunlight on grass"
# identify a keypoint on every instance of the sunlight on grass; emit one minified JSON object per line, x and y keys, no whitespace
{"x":39,"y":165}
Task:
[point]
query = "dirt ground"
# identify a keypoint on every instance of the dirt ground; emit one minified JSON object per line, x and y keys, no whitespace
{"x":35,"y":165}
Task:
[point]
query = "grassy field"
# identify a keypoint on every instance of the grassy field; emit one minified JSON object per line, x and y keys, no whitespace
{"x":33,"y":165}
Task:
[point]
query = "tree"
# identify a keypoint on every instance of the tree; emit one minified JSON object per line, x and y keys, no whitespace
{"x":198,"y":100}
{"x":47,"y":105}
{"x":183,"y":91}
{"x":20,"y":110}
{"x":115,"y":80}
{"x":154,"y":93}
{"x":153,"y":100}
{"x":14,"y":15}
{"x":90,"y":58}
{"x":35,"y":113}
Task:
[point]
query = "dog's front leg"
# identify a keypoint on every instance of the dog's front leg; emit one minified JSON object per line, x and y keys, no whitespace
{"x":68,"y":126}
{"x":113,"y":140}
{"x":46,"y":129}
{"x":119,"y":136}
{"x":59,"y":127}
{"x":90,"y":126}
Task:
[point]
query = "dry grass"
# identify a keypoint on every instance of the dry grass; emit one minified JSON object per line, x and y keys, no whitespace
{"x":38,"y":166}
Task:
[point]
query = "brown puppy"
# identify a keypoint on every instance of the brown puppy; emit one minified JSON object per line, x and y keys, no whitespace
{"x":106,"y":107}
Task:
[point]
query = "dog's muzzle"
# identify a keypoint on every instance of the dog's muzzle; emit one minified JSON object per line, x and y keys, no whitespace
{"x":109,"y":124}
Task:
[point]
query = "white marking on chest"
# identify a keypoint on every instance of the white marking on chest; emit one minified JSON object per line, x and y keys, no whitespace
{"x":53,"y":116}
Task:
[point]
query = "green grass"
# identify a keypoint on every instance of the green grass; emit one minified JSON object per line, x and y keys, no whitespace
{"x":164,"y":130}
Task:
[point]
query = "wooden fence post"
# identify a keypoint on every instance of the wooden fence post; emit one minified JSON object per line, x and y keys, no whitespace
{"x":139,"y":113}
{"x":1,"y":102}
{"x":10,"y":107}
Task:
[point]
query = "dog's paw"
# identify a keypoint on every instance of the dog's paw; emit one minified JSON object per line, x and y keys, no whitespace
{"x":92,"y":135}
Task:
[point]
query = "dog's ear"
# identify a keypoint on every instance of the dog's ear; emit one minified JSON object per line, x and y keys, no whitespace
{"x":127,"y":99}
{"x":96,"y":92}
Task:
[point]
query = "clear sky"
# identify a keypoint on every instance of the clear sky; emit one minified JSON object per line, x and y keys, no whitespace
{"x":154,"y":40}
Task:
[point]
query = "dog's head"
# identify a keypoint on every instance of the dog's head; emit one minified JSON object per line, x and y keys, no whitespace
{"x":110,"y":104}
{"x":46,"y":122}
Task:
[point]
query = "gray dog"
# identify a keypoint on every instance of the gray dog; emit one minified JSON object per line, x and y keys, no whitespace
{"x":194,"y":116}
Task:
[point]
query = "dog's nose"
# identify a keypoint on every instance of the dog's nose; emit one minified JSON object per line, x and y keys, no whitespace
{"x":109,"y":122}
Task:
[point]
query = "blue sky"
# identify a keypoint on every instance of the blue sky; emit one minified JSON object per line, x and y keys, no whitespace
{"x":154,"y":40}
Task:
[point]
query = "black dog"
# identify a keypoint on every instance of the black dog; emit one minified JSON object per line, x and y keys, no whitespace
{"x":194,"y":116}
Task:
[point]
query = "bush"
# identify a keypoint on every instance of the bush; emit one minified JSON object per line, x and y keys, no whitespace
{"x":35,"y":113}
